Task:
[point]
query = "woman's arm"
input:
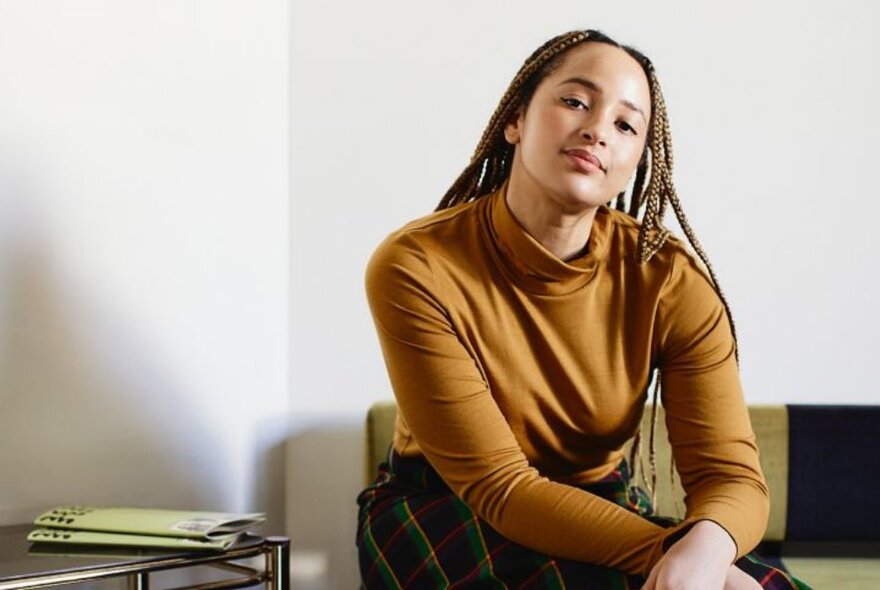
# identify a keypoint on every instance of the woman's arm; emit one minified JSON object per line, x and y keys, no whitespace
{"x":709,"y":428}
{"x":457,"y":424}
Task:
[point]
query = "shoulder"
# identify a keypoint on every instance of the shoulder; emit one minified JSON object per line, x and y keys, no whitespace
{"x":411,"y":251}
{"x":686,"y":273}
{"x":623,"y":235}
{"x":692,"y":321}
{"x":675,"y":279}
{"x":430,"y":235}
{"x":435,"y":227}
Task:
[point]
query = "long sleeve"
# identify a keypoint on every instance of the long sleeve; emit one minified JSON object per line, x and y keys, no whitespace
{"x":449,"y":408}
{"x":709,"y":428}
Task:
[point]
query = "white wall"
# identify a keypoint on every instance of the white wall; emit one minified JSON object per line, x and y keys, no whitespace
{"x":143,"y":254}
{"x":145,"y":337}
{"x":773,"y":111}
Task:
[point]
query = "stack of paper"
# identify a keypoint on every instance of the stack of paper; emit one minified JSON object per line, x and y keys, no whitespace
{"x":142,"y":527}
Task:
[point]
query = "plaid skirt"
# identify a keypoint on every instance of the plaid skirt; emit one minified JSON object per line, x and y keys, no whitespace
{"x":414,"y":533}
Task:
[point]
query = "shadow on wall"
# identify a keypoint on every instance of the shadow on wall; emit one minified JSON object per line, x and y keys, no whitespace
{"x":266,"y":483}
{"x":85,"y":418}
{"x":325,"y":474}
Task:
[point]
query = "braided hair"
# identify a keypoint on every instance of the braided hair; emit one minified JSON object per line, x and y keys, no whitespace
{"x":492,"y":160}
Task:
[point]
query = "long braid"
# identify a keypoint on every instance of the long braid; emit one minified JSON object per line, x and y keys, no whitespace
{"x":659,"y":193}
{"x":652,"y":233}
{"x":492,"y":160}
{"x":638,"y":186}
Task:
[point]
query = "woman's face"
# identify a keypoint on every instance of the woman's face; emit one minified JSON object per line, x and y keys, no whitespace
{"x":582,"y":135}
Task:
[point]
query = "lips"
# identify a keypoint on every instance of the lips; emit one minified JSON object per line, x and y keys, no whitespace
{"x":586,"y":156}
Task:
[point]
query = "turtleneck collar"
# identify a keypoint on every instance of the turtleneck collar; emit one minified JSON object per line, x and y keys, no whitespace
{"x":531,"y":265}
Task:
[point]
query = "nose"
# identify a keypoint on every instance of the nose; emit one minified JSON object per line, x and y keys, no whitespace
{"x":595,"y":129}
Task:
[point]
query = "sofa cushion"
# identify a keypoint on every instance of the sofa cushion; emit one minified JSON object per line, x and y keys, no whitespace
{"x":769,"y":422}
{"x":833,"y":476}
{"x":836,"y":573}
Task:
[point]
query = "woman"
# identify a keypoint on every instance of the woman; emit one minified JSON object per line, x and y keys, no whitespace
{"x":521,"y":323}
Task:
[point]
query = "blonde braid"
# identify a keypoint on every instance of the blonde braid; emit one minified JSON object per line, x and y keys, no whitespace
{"x":661,"y":191}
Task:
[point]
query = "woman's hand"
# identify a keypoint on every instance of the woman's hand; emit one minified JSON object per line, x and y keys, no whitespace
{"x":700,"y":560}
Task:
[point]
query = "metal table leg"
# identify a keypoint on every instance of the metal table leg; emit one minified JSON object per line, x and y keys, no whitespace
{"x":277,"y":563}
{"x":139,"y":581}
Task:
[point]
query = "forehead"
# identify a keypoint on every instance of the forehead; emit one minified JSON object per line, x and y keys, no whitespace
{"x":611,"y":68}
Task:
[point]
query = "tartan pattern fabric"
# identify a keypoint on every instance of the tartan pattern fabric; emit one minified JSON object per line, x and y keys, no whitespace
{"x":414,"y":533}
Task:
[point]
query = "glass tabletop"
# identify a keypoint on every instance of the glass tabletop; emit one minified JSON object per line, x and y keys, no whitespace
{"x":20,"y":559}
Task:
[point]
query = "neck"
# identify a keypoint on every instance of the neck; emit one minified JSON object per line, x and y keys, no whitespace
{"x":564,"y":232}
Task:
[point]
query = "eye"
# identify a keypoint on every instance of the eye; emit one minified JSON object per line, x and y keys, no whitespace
{"x":574,"y":103}
{"x":626,"y":127}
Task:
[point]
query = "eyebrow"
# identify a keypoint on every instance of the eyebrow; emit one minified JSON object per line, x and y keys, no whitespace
{"x":595,"y":87}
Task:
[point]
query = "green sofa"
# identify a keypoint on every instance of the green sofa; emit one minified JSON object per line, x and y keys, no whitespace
{"x":826,"y":537}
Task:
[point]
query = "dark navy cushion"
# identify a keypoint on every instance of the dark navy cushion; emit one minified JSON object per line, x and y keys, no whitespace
{"x":834,"y":473}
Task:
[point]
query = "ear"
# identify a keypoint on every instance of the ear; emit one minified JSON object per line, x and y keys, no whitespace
{"x":513,"y":129}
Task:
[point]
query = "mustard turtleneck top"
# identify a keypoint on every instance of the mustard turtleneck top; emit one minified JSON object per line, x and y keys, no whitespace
{"x":518,"y":375}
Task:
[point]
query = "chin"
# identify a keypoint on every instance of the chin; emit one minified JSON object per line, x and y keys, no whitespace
{"x":585,"y":196}
{"x":580,"y":200}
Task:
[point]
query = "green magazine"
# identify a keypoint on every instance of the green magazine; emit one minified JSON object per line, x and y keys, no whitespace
{"x":142,"y":527}
{"x":128,"y":540}
{"x":149,"y":521}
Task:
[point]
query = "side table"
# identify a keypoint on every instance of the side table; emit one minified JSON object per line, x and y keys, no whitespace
{"x":25,"y":566}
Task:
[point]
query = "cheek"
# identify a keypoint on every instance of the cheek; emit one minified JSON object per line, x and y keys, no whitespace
{"x":625,"y":167}
{"x":540,"y":139}
{"x":547,"y":127}
{"x":630,"y":158}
